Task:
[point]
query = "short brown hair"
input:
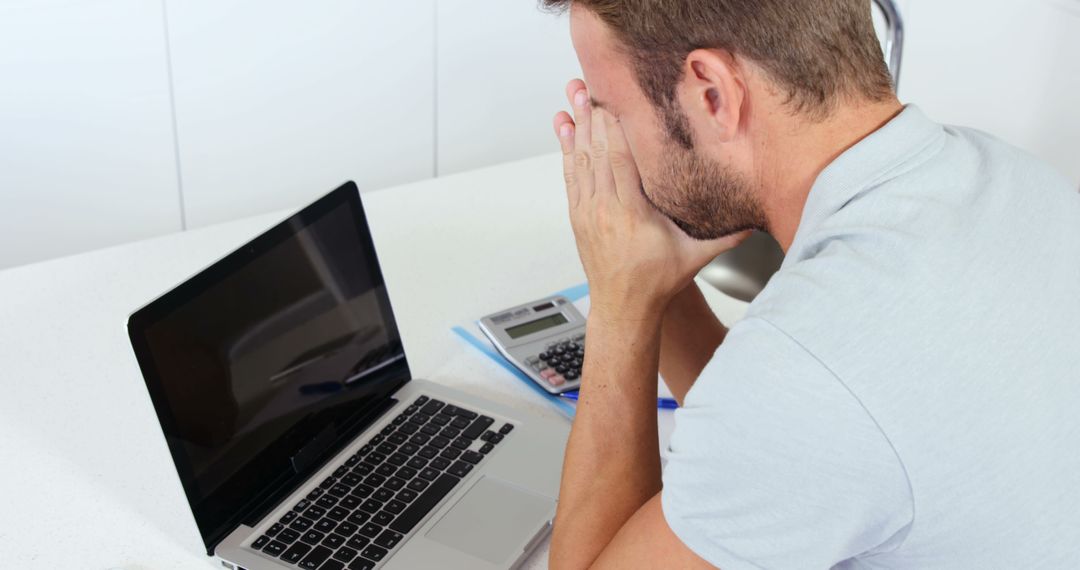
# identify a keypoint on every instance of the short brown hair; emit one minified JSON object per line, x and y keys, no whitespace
{"x":817,"y":51}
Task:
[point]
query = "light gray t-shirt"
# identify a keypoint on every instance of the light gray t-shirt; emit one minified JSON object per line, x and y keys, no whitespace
{"x":905,"y":393}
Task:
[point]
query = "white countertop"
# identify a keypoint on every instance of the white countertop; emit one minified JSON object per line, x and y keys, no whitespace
{"x":87,"y":480}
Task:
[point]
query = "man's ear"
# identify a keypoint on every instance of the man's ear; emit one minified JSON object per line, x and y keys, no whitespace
{"x":712,"y":93}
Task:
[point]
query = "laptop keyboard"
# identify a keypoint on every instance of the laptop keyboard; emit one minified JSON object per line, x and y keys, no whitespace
{"x":355,"y":517}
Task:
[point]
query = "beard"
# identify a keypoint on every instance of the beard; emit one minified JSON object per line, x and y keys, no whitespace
{"x":706,"y":200}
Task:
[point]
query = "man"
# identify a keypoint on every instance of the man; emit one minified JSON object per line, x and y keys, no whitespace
{"x":903,"y":394}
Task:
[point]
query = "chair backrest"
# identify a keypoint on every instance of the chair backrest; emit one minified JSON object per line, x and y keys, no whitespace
{"x":894,"y":37}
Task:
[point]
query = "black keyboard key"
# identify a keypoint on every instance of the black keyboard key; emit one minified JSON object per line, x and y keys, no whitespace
{"x":358,"y":542}
{"x":361,"y":564}
{"x":421,"y":400}
{"x":301,"y":505}
{"x":400,"y":419}
{"x":460,"y":423}
{"x":314,"y":494}
{"x":382,"y":518}
{"x":260,"y":542}
{"x":430,"y":474}
{"x":441,"y":420}
{"x":347,"y":529}
{"x":417,"y":462}
{"x":450,"y":433}
{"x":424,"y":503}
{"x":486,"y":448}
{"x":353,"y":460}
{"x":428,"y":452}
{"x":389,"y":539}
{"x":409,"y":448}
{"x":418,"y":485}
{"x":332,"y":565}
{"x":411,"y":410}
{"x":375,"y":553}
{"x":362,"y":491}
{"x":313,"y":537}
{"x":386,"y":469}
{"x":288,"y":536}
{"x":407,"y":495}
{"x":383,"y":495}
{"x":409,"y":428}
{"x":472,"y":457}
{"x":461,"y":443}
{"x":396,"y":438}
{"x":351,"y":480}
{"x":496,"y":438}
{"x":333,"y":541}
{"x":375,"y":458}
{"x":288,"y":518}
{"x":274,"y":548}
{"x":359,"y":517}
{"x":371,"y":506}
{"x":324,"y":502}
{"x":325,"y":525}
{"x":440,"y":442}
{"x":418,"y":440}
{"x":370,"y":530}
{"x":395,"y":506}
{"x":406,"y":473}
{"x":460,"y":468}
{"x":477,"y":428}
{"x":450,"y":453}
{"x":364,"y":450}
{"x":363,"y":469}
{"x":386,"y":449}
{"x":346,"y":554}
{"x":338,"y":513}
{"x":274,"y":529}
{"x":486,"y":436}
{"x":295,"y":552}
{"x":429,"y":429}
{"x":340,"y":471}
{"x":315,"y":558}
{"x":432,"y":407}
{"x":394,"y":483}
{"x":397,"y":459}
{"x":420,"y":419}
{"x":327,"y":483}
{"x":301,"y":524}
{"x":349,"y":503}
{"x":467,"y":414}
{"x":450,"y":410}
{"x":440,"y":463}
{"x":374,"y":480}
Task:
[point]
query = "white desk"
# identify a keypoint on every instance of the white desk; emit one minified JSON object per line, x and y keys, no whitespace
{"x":86,"y":480}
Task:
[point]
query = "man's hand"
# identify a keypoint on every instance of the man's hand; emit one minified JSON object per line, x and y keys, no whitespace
{"x":634,"y":257}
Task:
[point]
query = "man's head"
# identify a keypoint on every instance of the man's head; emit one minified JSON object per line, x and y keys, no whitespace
{"x":693,"y":82}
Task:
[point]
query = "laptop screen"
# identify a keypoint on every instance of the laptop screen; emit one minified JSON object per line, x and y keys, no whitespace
{"x":288,"y":340}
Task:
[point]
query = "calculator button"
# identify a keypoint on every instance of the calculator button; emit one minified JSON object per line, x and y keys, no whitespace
{"x":560,"y":349}
{"x":557,"y":380}
{"x":544,"y":355}
{"x":561,"y":369}
{"x":547,"y":373}
{"x":573,"y":375}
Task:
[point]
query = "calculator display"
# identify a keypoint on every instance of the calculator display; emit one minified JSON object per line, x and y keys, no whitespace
{"x":538,"y":325}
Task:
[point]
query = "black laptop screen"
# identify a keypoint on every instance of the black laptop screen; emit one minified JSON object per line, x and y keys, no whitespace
{"x":288,"y":339}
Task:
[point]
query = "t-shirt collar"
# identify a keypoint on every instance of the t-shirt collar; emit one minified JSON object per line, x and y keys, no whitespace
{"x":880,"y":156}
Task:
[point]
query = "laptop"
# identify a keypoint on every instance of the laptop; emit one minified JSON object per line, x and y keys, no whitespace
{"x":302,"y":441}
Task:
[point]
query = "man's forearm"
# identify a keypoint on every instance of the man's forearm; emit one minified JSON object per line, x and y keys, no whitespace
{"x":612,"y":463}
{"x":690,"y":335}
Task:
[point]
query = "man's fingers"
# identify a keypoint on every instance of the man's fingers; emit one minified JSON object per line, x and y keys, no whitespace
{"x":623,"y":168}
{"x":604,"y":180}
{"x":564,"y":130}
{"x":579,"y":100}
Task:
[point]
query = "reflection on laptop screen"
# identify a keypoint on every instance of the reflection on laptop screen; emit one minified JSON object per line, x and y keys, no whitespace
{"x":266,"y":348}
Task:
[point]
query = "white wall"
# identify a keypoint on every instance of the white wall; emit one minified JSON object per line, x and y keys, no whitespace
{"x":86,"y":143}
{"x":1008,"y":67}
{"x":502,"y":69}
{"x":278,"y":102}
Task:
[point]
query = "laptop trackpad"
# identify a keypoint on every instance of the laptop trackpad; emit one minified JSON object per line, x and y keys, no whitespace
{"x":493,"y":520}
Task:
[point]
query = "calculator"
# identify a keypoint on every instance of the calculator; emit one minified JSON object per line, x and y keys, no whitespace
{"x":544,"y":339}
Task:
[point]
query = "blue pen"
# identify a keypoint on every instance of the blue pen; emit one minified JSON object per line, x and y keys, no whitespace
{"x":661,"y":403}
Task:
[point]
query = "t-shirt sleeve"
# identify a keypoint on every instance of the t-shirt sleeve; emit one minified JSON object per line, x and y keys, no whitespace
{"x":775,"y":464}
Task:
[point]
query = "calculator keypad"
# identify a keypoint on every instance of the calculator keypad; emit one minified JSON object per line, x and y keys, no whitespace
{"x":561,"y":361}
